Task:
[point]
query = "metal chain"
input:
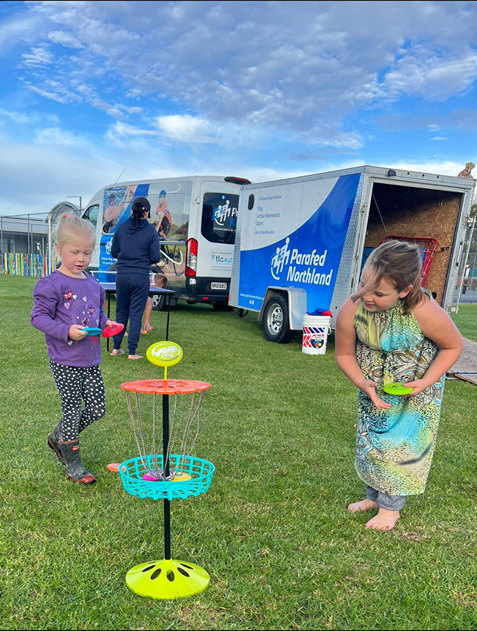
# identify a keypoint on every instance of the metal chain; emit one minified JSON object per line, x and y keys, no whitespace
{"x":141,"y":430}
{"x":153,"y":446}
{"x":193,"y":415}
{"x":191,"y":418}
{"x":133,"y":422}
{"x":174,"y":427}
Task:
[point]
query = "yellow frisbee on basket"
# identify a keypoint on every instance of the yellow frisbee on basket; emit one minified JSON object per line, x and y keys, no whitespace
{"x":164,"y":354}
{"x":397,"y":388}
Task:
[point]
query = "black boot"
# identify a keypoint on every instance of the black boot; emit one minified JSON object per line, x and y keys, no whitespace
{"x":53,"y":440}
{"x":70,"y":450}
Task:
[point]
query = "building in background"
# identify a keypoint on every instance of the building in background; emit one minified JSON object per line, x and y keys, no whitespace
{"x":27,"y":241}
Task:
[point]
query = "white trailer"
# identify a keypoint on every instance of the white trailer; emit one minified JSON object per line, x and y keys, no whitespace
{"x":301,"y":242}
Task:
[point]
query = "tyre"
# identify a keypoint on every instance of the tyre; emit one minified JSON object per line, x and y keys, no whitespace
{"x":158,"y":302}
{"x":275,"y":320}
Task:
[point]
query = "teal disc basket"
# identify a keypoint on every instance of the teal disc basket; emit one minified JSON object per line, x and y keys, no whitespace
{"x":199,"y":470}
{"x":165,"y":476}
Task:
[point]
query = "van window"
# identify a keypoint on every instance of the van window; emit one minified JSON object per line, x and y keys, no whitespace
{"x":91,"y":214}
{"x":219,"y":217}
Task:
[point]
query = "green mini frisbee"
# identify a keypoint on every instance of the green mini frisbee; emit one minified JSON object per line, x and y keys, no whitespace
{"x":396,"y":388}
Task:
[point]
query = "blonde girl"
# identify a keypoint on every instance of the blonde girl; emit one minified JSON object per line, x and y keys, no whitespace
{"x":64,"y":304}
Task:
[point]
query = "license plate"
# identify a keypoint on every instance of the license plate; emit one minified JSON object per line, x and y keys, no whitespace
{"x":218,"y":285}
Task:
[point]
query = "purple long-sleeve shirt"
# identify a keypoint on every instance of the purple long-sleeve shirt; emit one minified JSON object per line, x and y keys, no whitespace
{"x":60,"y":301}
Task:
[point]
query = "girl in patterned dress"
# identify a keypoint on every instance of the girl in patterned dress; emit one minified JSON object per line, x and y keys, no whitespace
{"x":392,"y":330}
{"x":65,"y":303}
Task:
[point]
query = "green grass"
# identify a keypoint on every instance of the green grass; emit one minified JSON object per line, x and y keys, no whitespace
{"x":273,"y":530}
{"x":466,"y":320}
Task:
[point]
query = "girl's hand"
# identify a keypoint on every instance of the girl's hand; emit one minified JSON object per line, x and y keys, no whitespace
{"x":111,"y":323}
{"x":369,"y":388}
{"x":76,"y":332}
{"x":417,"y":386}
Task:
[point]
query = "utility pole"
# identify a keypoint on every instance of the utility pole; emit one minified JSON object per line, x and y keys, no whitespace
{"x":80,"y":201}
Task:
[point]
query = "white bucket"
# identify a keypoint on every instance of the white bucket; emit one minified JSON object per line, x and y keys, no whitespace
{"x":315,"y":334}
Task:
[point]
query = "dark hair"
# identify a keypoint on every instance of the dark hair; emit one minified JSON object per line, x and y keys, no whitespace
{"x":140,"y":206}
{"x":397,"y":261}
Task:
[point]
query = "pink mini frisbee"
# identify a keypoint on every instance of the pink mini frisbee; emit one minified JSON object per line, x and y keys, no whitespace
{"x":110,"y":331}
{"x":151,"y":478}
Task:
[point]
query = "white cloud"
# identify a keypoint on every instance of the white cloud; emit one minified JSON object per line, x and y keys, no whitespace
{"x":59,"y":137}
{"x":39,"y":56}
{"x":65,"y":39}
{"x":423,"y":73}
{"x":55,"y":91}
{"x":122,"y":129}
{"x":280,"y":64}
{"x":19,"y":30}
{"x":237,"y":87}
{"x":25,"y":119}
{"x":186,"y":129}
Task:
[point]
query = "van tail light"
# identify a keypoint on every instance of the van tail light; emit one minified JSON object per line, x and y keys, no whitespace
{"x":191,"y":257}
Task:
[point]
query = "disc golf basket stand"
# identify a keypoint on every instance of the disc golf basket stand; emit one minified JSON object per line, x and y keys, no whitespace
{"x":166,"y":476}
{"x":427,"y":248}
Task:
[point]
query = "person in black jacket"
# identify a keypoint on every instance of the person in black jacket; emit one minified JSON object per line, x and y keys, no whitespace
{"x":136,"y":247}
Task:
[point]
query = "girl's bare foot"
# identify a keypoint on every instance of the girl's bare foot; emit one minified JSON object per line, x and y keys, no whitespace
{"x":384,"y":520}
{"x":134,"y":356}
{"x":362,"y":506}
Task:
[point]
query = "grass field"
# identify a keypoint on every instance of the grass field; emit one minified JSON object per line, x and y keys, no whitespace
{"x":273,"y":530}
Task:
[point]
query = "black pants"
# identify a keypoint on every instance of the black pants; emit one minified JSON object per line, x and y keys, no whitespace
{"x":76,"y":385}
{"x":131,"y":298}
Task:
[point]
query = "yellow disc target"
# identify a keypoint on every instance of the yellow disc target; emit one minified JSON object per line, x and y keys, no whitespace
{"x":164,"y":354}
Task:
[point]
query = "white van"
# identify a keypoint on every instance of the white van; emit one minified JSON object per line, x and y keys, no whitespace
{"x":195,"y":218}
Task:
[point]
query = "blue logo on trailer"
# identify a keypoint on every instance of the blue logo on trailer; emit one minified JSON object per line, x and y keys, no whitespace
{"x":308,"y":258}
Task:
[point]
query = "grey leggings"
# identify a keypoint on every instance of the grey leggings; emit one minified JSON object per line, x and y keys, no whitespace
{"x":383,"y":500}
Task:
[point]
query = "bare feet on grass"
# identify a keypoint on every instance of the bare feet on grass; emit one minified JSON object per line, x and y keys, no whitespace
{"x":362,"y":506}
{"x":384,"y":520}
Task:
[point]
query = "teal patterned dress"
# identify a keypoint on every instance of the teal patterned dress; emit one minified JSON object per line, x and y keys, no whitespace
{"x":394,"y":447}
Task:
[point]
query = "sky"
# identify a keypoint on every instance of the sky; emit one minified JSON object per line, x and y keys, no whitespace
{"x":97,"y":92}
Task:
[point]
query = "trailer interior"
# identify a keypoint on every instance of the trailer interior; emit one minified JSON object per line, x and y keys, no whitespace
{"x":427,"y":215}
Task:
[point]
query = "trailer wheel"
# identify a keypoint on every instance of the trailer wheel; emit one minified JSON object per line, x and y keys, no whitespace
{"x":159,"y":302}
{"x":275,"y":320}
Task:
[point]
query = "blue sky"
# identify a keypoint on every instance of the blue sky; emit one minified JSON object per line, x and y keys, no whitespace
{"x":92,"y":91}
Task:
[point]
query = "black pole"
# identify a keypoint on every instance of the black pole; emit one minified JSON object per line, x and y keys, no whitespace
{"x":167,"y":503}
{"x":168,"y":300}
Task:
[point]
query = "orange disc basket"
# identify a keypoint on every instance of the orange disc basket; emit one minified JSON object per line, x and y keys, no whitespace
{"x":165,"y":386}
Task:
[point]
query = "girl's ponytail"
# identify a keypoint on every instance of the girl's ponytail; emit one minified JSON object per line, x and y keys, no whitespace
{"x":140,"y":206}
